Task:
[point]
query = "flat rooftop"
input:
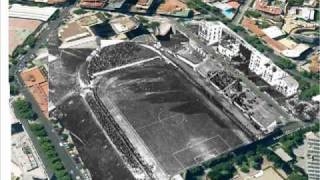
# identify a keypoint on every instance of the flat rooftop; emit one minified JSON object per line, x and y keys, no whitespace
{"x":176,"y":122}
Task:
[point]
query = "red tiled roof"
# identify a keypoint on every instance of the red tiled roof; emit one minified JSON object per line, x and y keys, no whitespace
{"x":37,"y":84}
{"x":262,"y":5}
{"x":234,"y":4}
{"x":251,"y":26}
{"x":276,"y":45}
{"x":92,"y":3}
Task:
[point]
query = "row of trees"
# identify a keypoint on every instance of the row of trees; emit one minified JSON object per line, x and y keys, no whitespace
{"x":251,"y":13}
{"x":201,"y":7}
{"x":23,"y":109}
{"x":285,"y":63}
{"x":308,"y":93}
{"x":48,"y":149}
{"x":257,"y":43}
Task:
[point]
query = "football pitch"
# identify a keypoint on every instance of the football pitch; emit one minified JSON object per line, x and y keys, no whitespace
{"x":177,"y":123}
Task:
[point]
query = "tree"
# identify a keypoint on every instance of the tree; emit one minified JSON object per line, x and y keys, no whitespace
{"x":36,"y":127}
{"x":240,"y":159}
{"x":296,"y":176}
{"x":14,"y":90}
{"x":40,"y":133}
{"x":244,"y":168}
{"x":47,"y":147}
{"x":197,"y":171}
{"x":31,"y":41}
{"x":223,"y":170}
{"x":51,"y":154}
{"x":254,"y":14}
{"x":11,"y":78}
{"x":64,"y":136}
{"x":58,"y":166}
{"x":23,"y":109}
{"x":295,"y":2}
{"x":285,"y":63}
{"x":80,"y":11}
{"x":310,"y":92}
{"x":61,"y":173}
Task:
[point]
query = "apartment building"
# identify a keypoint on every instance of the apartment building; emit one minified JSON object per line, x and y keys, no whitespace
{"x":313,"y":155}
{"x":228,"y":44}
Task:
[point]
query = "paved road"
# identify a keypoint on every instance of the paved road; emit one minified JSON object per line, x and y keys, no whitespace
{"x":241,"y":12}
{"x":49,"y":29}
{"x":234,"y":72}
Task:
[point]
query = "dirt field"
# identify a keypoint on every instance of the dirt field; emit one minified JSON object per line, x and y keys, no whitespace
{"x":170,"y":114}
{"x":19,"y":30}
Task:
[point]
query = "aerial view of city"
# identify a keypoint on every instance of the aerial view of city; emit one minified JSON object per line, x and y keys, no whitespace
{"x":164,"y":89}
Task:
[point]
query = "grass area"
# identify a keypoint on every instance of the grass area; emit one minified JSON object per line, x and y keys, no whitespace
{"x":80,"y":11}
{"x":285,"y":63}
{"x":251,"y":13}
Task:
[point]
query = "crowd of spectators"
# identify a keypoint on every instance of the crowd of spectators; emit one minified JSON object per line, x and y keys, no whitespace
{"x":117,"y":136}
{"x":118,"y":55}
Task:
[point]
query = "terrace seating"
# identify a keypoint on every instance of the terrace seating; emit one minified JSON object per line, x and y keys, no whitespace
{"x":109,"y":57}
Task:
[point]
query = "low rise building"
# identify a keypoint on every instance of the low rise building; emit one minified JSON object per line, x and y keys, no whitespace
{"x":305,"y":13}
{"x":293,"y":25}
{"x":92,"y":3}
{"x":273,"y":32}
{"x":283,"y":155}
{"x":297,"y":51}
{"x":124,"y":24}
{"x":31,"y":12}
{"x":174,"y":8}
{"x":144,"y":4}
{"x":262,"y":5}
{"x":73,"y":31}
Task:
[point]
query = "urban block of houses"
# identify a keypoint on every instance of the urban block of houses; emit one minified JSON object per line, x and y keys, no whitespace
{"x":261,"y":65}
{"x":269,"y":36}
{"x":174,"y":8}
{"x":305,"y":13}
{"x":262,"y":5}
{"x":293,"y":25}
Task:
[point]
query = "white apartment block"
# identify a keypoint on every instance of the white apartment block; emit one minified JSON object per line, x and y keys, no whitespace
{"x":313,"y":155}
{"x":215,"y":32}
